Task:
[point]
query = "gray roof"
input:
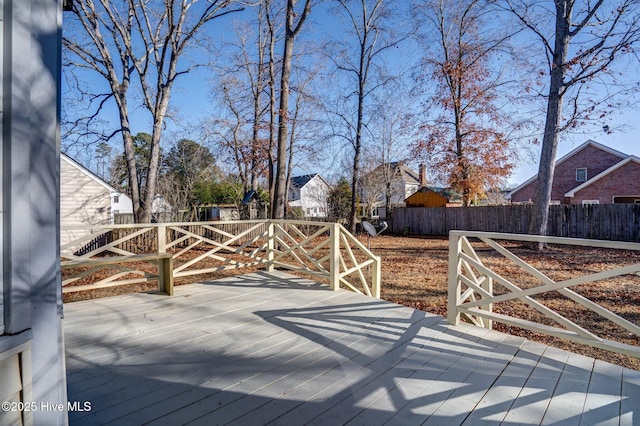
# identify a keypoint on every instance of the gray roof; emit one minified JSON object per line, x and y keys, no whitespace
{"x":300,"y":181}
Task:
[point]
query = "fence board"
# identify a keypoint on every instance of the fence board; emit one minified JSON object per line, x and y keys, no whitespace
{"x":617,"y":222}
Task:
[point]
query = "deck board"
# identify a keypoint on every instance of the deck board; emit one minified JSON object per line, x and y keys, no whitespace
{"x":277,"y":349}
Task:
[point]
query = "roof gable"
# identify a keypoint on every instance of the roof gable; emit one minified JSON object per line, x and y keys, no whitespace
{"x":399,"y":171}
{"x":603,"y":174}
{"x":73,"y":163}
{"x":567,"y":156}
{"x":300,"y":181}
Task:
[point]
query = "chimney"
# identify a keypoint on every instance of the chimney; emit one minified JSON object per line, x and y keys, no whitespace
{"x":422,"y":176}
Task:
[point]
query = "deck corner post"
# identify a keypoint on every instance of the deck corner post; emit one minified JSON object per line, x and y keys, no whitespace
{"x":334,"y":254}
{"x":376,"y":277}
{"x":454,"y":285}
{"x":165,"y":274}
{"x":270,"y":245}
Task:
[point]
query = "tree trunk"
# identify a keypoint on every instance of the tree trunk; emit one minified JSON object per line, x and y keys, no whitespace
{"x":280,"y":195}
{"x":281,"y":158}
{"x":362,"y":82}
{"x":272,"y":108}
{"x":552,"y":123}
{"x":355,"y":174}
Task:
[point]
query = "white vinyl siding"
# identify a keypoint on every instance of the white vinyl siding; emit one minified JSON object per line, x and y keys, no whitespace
{"x":83,"y":201}
{"x":313,"y":198}
{"x":11,"y":388}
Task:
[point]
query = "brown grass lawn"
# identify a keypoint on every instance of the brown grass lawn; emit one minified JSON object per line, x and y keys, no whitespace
{"x":415,"y":271}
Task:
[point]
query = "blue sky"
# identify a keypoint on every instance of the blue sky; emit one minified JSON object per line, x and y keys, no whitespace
{"x":191,"y":98}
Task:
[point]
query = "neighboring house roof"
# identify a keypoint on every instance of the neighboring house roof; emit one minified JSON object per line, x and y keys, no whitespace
{"x":603,"y":174}
{"x":566,"y":157}
{"x":88,"y":172}
{"x":301,"y":181}
{"x":400,"y":171}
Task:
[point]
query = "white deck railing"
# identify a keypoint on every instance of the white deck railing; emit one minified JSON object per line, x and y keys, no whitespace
{"x":473,"y":285}
{"x":323,"y":250}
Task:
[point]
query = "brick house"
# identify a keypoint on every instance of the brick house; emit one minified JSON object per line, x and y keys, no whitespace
{"x":590,"y":174}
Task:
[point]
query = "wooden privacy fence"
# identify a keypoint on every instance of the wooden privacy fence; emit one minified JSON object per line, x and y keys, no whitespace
{"x":324,"y":250}
{"x":475,"y":289}
{"x":617,"y":222}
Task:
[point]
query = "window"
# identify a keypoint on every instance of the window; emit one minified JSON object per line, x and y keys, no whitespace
{"x":581,"y":174}
{"x":554,"y":203}
{"x":116,"y":199}
{"x":590,"y":202}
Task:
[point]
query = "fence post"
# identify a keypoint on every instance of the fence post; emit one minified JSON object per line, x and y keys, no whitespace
{"x":454,"y":285}
{"x":270,"y":245}
{"x":334,"y":257}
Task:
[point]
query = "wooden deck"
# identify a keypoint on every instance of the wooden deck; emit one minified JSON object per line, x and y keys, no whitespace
{"x":275,"y":349}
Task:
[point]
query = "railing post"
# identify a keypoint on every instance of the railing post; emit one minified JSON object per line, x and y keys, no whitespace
{"x":270,"y":245}
{"x":376,"y":277}
{"x":334,"y":257}
{"x":454,"y":284}
{"x":165,"y":262}
{"x":488,"y":286}
{"x":165,"y":274}
{"x":161,"y":230}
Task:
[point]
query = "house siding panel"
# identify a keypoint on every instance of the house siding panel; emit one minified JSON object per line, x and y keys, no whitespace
{"x":83,"y":201}
{"x":311,"y":197}
{"x":594,"y":159}
{"x":624,"y":181}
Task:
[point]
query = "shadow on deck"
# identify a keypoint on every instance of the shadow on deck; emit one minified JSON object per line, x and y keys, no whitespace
{"x":270,"y":348}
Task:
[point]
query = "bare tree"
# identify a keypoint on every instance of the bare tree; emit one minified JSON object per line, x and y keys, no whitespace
{"x":241,"y":131}
{"x":362,"y":60}
{"x":583,"y":45}
{"x":256,"y":71}
{"x":273,"y":32}
{"x":292,"y":29}
{"x":229,"y":131}
{"x":391,"y":129}
{"x":372,"y":185}
{"x":136,"y":39}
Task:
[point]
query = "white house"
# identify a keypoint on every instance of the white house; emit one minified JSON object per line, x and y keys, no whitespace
{"x":310,"y":193}
{"x":86,"y":199}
